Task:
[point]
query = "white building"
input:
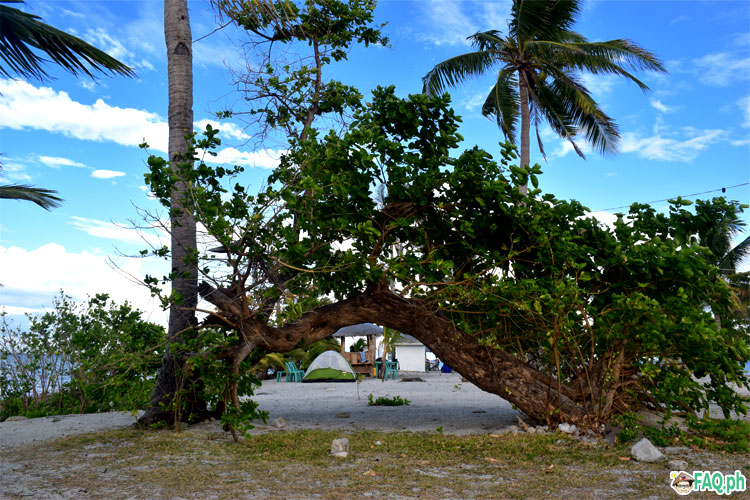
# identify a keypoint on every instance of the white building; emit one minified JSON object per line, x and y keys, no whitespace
{"x":410,"y":353}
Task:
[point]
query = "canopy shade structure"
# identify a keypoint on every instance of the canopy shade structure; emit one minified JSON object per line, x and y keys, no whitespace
{"x":360,"y":330}
{"x":361,"y":366}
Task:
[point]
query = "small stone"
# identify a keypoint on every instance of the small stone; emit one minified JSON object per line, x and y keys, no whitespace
{"x":378,"y":443}
{"x":56,"y":419}
{"x":677,"y":465}
{"x":279,"y":423}
{"x":567,"y":428}
{"x":369,"y":473}
{"x":340,"y":447}
{"x":343,"y":414}
{"x":531,"y":429}
{"x":101,"y":470}
{"x":644,"y":451}
{"x":511,"y":429}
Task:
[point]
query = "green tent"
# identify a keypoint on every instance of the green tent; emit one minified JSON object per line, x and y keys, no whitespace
{"x":329,"y":367}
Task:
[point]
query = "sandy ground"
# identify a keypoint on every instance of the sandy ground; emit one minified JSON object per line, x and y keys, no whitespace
{"x":441,"y":400}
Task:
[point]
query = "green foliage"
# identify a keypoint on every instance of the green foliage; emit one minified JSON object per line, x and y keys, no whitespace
{"x":79,"y":358}
{"x":359,"y":345}
{"x":623,"y":317}
{"x":385,"y":401}
{"x":719,"y":434}
{"x":287,"y":94}
{"x":629,"y":427}
{"x":731,"y":435}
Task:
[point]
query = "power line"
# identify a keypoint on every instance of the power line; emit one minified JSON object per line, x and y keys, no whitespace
{"x":723,"y":190}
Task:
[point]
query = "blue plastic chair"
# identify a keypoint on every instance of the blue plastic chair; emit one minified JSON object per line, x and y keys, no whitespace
{"x":293,"y":374}
{"x":391,"y":370}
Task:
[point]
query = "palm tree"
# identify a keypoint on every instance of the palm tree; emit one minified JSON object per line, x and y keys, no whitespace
{"x":22,"y":35}
{"x":718,"y":239}
{"x":173,"y":375}
{"x":540,"y":60}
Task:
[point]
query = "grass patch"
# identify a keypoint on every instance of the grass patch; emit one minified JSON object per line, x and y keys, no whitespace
{"x":406,"y":465}
{"x":385,"y":401}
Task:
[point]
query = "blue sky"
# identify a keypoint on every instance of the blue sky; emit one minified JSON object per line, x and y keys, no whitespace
{"x":690,"y":134}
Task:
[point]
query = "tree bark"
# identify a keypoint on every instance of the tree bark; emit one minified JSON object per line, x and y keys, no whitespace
{"x":172,"y":377}
{"x":525,"y":125}
{"x":492,"y":370}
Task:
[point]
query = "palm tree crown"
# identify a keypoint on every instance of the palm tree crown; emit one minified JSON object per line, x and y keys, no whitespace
{"x":539,"y":61}
{"x":22,"y":35}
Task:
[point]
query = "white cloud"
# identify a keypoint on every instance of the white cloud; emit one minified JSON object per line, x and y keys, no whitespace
{"x":106,"y":174}
{"x":100,"y":38}
{"x":264,"y":158}
{"x":476,"y":101}
{"x":661,"y":107}
{"x":565,"y":148}
{"x":57,"y":162}
{"x":679,"y":19}
{"x":449,"y":22}
{"x":226,"y":129}
{"x":722,"y":69}
{"x":14,"y":171}
{"x":31,"y":278}
{"x":23,"y":106}
{"x":660,"y":147}
{"x":121,"y":233}
{"x":599,"y":85}
{"x":87,"y":84}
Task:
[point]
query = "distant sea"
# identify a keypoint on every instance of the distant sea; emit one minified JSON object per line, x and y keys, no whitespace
{"x":8,"y":365}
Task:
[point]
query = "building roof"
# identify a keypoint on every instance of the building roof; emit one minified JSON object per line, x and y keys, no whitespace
{"x":407,"y":340}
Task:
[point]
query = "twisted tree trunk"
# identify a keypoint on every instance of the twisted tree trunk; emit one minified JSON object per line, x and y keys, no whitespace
{"x":492,"y":370}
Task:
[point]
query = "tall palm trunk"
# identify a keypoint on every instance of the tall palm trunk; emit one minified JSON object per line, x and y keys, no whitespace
{"x":173,"y":381}
{"x":525,"y":125}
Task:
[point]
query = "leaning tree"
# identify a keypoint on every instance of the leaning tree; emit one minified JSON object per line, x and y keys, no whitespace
{"x":527,"y":297}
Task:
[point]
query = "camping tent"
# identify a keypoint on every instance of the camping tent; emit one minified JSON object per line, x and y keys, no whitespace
{"x":329,"y":367}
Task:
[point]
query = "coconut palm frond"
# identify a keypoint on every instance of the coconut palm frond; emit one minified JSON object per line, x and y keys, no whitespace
{"x":24,"y":36}
{"x":45,"y":198}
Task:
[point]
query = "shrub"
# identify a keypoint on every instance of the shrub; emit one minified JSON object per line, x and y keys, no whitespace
{"x":79,"y":358}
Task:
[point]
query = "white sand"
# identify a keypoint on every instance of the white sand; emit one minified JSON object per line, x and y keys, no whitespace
{"x":441,"y":401}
